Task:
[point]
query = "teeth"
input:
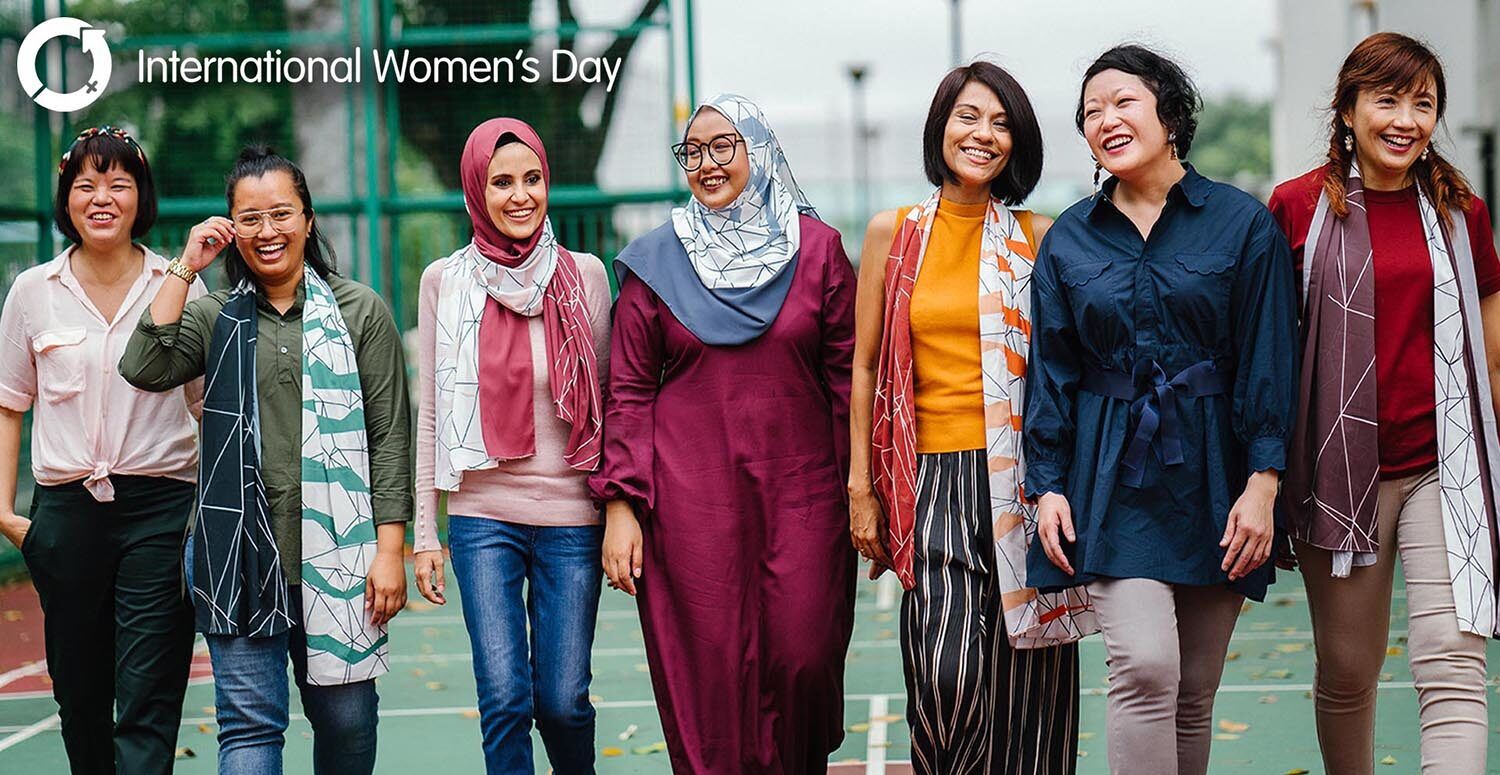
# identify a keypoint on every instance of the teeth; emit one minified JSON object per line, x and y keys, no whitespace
{"x":1116,"y":143}
{"x":979,"y":153}
{"x":522,"y":213}
{"x":269,"y":249}
{"x":1401,"y":141}
{"x":101,"y":217}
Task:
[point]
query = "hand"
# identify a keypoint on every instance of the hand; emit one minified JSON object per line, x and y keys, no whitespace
{"x":205,"y":241}
{"x":623,"y":547}
{"x":867,"y":528}
{"x":14,"y":527}
{"x":429,"y":569}
{"x":1053,"y":517}
{"x":385,"y":588}
{"x":1251,"y":531}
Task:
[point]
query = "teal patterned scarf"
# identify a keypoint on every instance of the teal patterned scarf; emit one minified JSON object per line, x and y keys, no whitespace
{"x":238,"y":586}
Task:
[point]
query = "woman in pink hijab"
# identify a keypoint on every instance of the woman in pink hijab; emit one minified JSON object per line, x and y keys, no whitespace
{"x":514,"y":341}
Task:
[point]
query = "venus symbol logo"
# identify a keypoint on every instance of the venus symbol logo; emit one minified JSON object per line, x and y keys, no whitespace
{"x":92,"y":40}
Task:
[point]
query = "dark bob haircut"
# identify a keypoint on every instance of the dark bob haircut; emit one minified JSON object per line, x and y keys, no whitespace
{"x":257,"y":161}
{"x":1177,"y":100}
{"x":105,"y":151}
{"x":1024,"y":168}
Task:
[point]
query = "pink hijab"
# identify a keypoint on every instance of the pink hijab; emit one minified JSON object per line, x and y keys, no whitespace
{"x":506,"y":380}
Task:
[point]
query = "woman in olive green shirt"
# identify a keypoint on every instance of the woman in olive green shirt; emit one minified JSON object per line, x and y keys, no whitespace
{"x":305,"y":480}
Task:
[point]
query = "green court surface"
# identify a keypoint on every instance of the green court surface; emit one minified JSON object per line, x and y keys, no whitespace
{"x":1263,"y":717}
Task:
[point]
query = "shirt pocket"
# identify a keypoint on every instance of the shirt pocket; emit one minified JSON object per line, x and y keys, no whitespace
{"x":60,"y":362}
{"x":1079,"y":274}
{"x":1206,"y":274}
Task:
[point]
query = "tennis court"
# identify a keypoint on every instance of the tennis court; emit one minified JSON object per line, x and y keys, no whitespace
{"x":1263,"y":717}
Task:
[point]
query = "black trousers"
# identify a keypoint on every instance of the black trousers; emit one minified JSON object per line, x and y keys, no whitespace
{"x":118,"y":626}
{"x":976,"y":705}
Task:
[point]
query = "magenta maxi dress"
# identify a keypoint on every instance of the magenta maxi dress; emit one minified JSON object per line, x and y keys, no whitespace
{"x":736,"y":458}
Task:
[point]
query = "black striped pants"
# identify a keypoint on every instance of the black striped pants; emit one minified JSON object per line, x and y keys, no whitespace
{"x":975,"y":704}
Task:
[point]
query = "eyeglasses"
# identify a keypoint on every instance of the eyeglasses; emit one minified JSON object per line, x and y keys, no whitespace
{"x":719,"y":148}
{"x":283,"y":220}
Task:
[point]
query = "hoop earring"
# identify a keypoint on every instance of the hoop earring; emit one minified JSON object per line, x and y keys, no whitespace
{"x":1349,"y":142}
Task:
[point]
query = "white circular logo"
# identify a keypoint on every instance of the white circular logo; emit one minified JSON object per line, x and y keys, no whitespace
{"x":92,"y":39}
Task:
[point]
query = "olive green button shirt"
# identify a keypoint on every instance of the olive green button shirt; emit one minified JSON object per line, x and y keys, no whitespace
{"x":162,"y":357}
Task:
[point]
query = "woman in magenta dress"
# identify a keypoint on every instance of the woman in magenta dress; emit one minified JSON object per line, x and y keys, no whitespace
{"x":725,"y":457}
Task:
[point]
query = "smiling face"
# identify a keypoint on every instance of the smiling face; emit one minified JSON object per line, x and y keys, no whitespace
{"x":976,"y":139}
{"x":102,"y":206}
{"x":1121,"y":125}
{"x":272,"y":255}
{"x":515,"y":192}
{"x":717,"y":185}
{"x":1391,"y":129}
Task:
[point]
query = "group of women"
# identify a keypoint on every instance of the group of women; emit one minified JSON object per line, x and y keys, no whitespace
{"x":1119,"y":422}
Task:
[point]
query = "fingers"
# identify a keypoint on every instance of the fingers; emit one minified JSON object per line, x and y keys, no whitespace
{"x":1229,"y":530}
{"x":1047,"y":531}
{"x":1065,"y":519}
{"x":439,"y":585}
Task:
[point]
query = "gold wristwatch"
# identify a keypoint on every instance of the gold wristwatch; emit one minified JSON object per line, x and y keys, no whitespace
{"x":175,"y":266}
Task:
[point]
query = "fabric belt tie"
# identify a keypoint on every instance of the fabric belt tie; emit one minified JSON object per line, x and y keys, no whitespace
{"x":99,"y":485}
{"x":1153,"y":407}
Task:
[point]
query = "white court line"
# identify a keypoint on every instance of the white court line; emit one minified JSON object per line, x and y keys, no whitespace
{"x":875,"y":749}
{"x":24,"y":671}
{"x":885,"y":592}
{"x":28,"y":732}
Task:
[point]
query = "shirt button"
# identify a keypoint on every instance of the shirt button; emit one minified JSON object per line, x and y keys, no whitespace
{"x":281,"y":323}
{"x":283,"y":351}
{"x":168,"y":341}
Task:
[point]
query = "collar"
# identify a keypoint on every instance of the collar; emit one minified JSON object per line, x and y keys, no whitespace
{"x":1193,"y":190}
{"x":297,"y":300}
{"x":60,"y":263}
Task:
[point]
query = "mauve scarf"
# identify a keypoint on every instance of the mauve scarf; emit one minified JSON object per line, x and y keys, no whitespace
{"x":524,"y":278}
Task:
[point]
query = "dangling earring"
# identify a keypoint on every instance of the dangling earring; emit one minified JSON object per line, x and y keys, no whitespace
{"x":1426,"y":153}
{"x":1098,"y":168}
{"x":1349,"y":142}
{"x":1172,"y":143}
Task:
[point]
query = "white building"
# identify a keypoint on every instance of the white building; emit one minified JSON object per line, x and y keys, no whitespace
{"x":1314,"y":36}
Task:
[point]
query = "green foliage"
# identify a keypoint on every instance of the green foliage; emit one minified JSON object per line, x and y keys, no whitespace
{"x":1233,"y":139}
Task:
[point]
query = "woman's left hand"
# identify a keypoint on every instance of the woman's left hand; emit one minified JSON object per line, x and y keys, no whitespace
{"x":1251,"y":532}
{"x":385,"y":587}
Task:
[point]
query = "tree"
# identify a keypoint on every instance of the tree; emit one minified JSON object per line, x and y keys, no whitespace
{"x":1233,"y":142}
{"x":435,"y":118}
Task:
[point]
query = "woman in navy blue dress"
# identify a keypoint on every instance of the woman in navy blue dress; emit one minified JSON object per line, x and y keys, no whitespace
{"x":1159,"y":399}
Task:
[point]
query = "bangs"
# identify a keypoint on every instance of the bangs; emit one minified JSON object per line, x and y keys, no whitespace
{"x":105,"y":152}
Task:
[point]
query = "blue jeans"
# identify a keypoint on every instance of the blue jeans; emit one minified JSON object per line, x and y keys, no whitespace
{"x":560,"y":570}
{"x":251,"y":695}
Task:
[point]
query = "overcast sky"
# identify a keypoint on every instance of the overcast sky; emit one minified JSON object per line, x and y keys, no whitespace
{"x":791,"y":56}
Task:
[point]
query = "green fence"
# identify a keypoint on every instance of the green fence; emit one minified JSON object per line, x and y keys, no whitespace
{"x":381,"y":156}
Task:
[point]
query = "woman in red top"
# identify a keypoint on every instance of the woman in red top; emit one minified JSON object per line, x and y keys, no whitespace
{"x":1399,"y":272}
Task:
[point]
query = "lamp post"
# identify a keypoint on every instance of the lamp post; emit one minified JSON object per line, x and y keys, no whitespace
{"x":857,"y":73}
{"x":955,"y":33}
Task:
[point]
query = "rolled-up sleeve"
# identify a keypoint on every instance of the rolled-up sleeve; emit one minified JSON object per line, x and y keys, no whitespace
{"x":1052,"y":373}
{"x":1265,"y":336}
{"x":161,"y":357}
{"x":17,"y":367}
{"x":635,"y":364}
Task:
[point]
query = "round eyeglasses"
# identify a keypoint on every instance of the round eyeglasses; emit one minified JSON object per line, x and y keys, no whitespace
{"x":719,"y":148}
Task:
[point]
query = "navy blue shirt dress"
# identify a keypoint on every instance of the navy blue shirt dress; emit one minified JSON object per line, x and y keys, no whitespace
{"x":1162,"y":374}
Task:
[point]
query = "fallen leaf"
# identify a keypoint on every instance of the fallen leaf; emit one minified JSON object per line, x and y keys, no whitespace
{"x":859,"y":727}
{"x":1245,"y":607}
{"x":1395,"y":651}
{"x":1225,"y":736}
{"x":1296,"y":771}
{"x":656,"y":747}
{"x":1268,"y":699}
{"x":418,"y":672}
{"x":629,"y":732}
{"x":470,"y":713}
{"x":1386,"y":676}
{"x":642,"y":667}
{"x":1278,"y":674}
{"x":1291,"y":648}
{"x":890,"y":718}
{"x":184,"y":753}
{"x":885,"y":635}
{"x":612,"y":751}
{"x":1231,"y":656}
{"x":1083,"y":754}
{"x":1087,"y":735}
{"x":1388,"y":760}
{"x":595,"y":698}
{"x":1282,"y":602}
{"x":435,"y":686}
{"x":206,"y":729}
{"x":1232,"y":726}
{"x":883,"y":616}
{"x":208,"y":710}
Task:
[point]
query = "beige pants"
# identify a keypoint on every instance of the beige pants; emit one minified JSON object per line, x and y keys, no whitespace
{"x":1164,"y":670}
{"x":1351,"y":618}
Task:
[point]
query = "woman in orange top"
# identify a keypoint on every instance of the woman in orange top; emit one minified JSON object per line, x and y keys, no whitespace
{"x":939,"y":361}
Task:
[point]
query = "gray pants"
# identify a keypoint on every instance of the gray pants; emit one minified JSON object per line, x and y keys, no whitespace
{"x":1165,"y":646}
{"x":1351,"y":618}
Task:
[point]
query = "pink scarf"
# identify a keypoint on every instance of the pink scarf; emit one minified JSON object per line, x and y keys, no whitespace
{"x":506,"y":381}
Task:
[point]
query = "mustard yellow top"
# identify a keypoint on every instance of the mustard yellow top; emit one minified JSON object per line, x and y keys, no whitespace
{"x":945,"y":331}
